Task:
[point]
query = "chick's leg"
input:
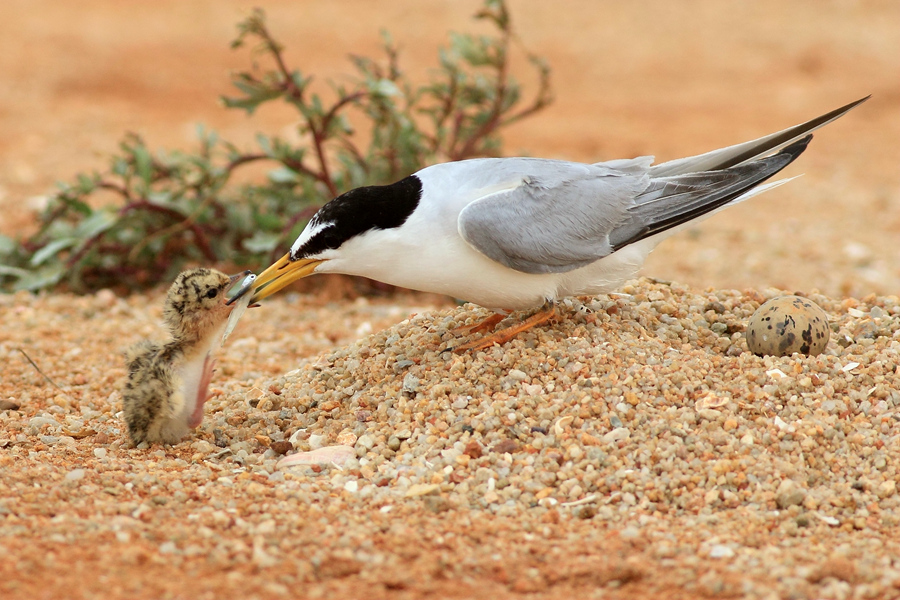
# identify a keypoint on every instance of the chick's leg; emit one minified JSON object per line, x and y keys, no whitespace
{"x":202,"y":393}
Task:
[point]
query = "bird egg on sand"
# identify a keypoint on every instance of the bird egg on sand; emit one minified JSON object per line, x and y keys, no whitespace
{"x":788,"y":324}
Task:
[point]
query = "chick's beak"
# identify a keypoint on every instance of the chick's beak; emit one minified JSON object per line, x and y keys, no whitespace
{"x":281,"y":274}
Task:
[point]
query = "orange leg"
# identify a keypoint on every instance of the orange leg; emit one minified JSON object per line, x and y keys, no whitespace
{"x":546,"y":313}
{"x":482,"y":325}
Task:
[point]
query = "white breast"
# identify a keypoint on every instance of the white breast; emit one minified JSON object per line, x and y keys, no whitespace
{"x":191,"y":374}
{"x":191,"y":371}
{"x":427,"y":252}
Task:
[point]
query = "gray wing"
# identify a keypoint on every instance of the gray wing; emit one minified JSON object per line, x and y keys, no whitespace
{"x":558,"y":219}
{"x":568,"y":215}
{"x":671,"y":201}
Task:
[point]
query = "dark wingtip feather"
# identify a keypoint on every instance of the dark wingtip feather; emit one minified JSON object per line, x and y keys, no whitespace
{"x":787,"y":134}
{"x":675,"y":214}
{"x":797,"y":148}
{"x":746,"y":152}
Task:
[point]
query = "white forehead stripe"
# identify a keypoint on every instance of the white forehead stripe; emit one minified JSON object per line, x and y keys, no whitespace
{"x":312,"y":228}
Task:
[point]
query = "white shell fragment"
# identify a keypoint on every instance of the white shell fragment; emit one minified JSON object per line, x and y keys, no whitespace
{"x":788,"y":324}
{"x":327,"y":455}
{"x":827,"y":519}
{"x":560,"y":426}
{"x":710,"y":401}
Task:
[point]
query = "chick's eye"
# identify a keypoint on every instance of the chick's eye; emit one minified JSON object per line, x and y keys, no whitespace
{"x":212,"y":293}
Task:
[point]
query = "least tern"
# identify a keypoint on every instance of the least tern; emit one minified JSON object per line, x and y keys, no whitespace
{"x":519,"y":233}
{"x":167,"y":383}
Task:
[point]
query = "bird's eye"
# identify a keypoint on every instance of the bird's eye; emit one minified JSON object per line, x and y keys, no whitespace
{"x":212,"y":293}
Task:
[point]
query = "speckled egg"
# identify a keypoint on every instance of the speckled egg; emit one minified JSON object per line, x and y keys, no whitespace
{"x":788,"y":324}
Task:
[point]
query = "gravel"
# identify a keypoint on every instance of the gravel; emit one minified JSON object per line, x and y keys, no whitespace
{"x":634,"y":445}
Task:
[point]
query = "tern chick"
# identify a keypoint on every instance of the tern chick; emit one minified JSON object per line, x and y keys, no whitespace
{"x":168,"y":383}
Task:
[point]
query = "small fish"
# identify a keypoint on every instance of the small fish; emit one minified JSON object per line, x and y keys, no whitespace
{"x":244,"y":287}
{"x":242,"y":300}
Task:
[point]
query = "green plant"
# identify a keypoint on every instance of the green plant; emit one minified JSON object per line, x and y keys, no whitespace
{"x":172,"y":207}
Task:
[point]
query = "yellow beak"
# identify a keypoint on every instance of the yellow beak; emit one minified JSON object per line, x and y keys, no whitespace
{"x":281,"y":274}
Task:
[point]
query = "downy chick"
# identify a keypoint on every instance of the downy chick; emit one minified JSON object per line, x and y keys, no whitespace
{"x":168,"y":383}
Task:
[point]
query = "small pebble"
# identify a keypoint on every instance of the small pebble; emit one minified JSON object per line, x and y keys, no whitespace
{"x":346,"y":438}
{"x":518,"y":375}
{"x":789,"y":494}
{"x":505,"y":446}
{"x":617,"y":434}
{"x":721,"y":551}
{"x":422,"y":489}
{"x":437,"y":504}
{"x":473,"y":449}
{"x":168,"y":548}
{"x":640,"y":420}
{"x":75,"y":475}
{"x":281,"y":447}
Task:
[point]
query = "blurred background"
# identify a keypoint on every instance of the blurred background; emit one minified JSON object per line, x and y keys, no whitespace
{"x":630,"y":78}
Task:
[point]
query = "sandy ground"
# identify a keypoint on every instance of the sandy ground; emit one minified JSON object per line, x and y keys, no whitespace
{"x":630,"y":78}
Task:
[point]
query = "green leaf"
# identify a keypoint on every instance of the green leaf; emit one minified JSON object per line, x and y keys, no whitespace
{"x":283,"y":175}
{"x":238,"y":103}
{"x":162,"y":197}
{"x":51,"y":249}
{"x":120,"y":166}
{"x":299,"y":80}
{"x":384,"y":87}
{"x":40,"y":279}
{"x":265,"y":143}
{"x":261,"y":242}
{"x":266,"y":221}
{"x":381,"y":126}
{"x":13,"y":271}
{"x":86,"y":183}
{"x":75,"y":204}
{"x":143,"y":163}
{"x":475,"y":51}
{"x":100,"y":221}
{"x":7,"y":245}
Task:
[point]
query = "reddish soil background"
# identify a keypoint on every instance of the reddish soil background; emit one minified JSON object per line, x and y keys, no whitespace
{"x":656,"y":77}
{"x":649,"y":78}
